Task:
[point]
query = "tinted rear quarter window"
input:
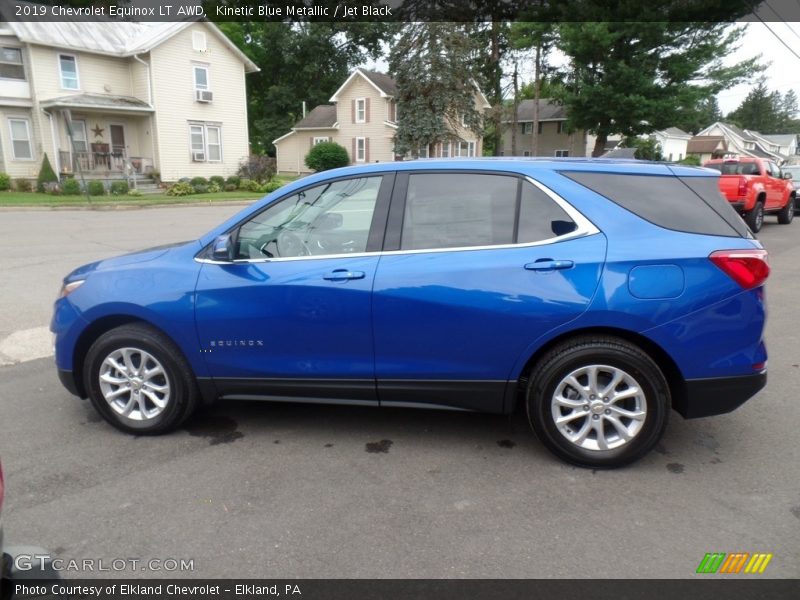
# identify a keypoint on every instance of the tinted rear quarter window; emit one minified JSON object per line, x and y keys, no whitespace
{"x":681,"y":204}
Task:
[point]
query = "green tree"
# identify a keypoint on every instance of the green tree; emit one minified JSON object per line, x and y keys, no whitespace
{"x":646,"y":148}
{"x":635,"y":77}
{"x":696,"y":118}
{"x":760,"y":110}
{"x":431,"y":63}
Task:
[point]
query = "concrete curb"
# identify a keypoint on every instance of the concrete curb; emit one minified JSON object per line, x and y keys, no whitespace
{"x":110,"y":207}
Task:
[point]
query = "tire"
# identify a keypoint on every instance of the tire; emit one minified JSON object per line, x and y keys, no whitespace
{"x":610,"y":357}
{"x":755,"y":217}
{"x":786,"y":214}
{"x":160,"y":395}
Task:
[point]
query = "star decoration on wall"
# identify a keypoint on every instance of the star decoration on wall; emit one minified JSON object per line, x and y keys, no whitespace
{"x":98,"y":131}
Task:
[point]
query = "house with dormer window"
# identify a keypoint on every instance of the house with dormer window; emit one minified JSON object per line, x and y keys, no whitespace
{"x":115,"y":99}
{"x":362,"y":117}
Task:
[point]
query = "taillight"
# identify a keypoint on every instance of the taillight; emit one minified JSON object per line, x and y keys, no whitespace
{"x":748,"y":268}
{"x":742,"y":186}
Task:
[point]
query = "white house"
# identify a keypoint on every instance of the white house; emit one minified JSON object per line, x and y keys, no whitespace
{"x":109,"y":99}
{"x":744,"y":142}
{"x":673,"y":142}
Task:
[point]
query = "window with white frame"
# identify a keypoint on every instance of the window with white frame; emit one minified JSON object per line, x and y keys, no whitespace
{"x":361,"y":110}
{"x":201,"y":81}
{"x":214,"y":143}
{"x":423,"y":151}
{"x":562,"y":127}
{"x":21,"y":139}
{"x":68,"y":67}
{"x":321,"y":140}
{"x":79,"y":142}
{"x":526,"y":153}
{"x":361,"y":149}
{"x":11,"y":64}
{"x":562,"y":153}
{"x":445,"y":149}
{"x":199,"y":41}
{"x":197,"y":142}
{"x":527,"y":128}
{"x":466,"y":149}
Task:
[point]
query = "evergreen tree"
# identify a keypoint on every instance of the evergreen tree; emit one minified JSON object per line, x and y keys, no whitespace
{"x":635,"y":77}
{"x":435,"y":74}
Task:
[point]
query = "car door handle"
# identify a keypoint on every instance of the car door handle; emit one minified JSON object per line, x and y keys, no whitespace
{"x":344,"y":275}
{"x":548,"y":264}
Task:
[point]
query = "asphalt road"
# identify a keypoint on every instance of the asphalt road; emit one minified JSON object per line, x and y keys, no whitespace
{"x":268,"y":490}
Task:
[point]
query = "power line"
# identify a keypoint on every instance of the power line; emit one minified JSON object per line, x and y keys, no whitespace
{"x":781,"y":19}
{"x":779,"y":38}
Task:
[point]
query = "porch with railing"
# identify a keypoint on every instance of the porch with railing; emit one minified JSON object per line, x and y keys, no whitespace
{"x":104,"y":162}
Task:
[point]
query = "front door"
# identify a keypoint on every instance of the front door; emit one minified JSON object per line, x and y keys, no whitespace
{"x":291,"y":316}
{"x":117,"y":139}
{"x":485,"y":264}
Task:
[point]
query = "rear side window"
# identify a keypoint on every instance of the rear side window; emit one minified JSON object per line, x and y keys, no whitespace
{"x":666,"y":201}
{"x":735,"y":168}
{"x":448,"y":210}
{"x":456,"y":210}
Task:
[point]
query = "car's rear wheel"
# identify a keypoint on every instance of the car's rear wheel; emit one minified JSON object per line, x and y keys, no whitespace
{"x":598,"y":402}
{"x":786,"y":214}
{"x":138,"y":380}
{"x":755,"y":218}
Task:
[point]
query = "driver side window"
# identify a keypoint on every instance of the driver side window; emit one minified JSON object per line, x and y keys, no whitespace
{"x":331,"y":218}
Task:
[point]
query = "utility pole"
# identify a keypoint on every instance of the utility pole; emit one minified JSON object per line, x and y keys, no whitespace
{"x":515,"y":116}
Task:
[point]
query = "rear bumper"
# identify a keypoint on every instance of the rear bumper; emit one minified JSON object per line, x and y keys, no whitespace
{"x":737,"y":206}
{"x":719,"y":395}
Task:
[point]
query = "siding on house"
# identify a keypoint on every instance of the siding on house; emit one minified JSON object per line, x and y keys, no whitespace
{"x":550,"y":140}
{"x":17,"y":167}
{"x":173,"y":89}
{"x":378,"y":130}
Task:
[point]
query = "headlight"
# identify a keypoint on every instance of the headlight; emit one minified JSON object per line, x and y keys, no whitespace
{"x":70,"y":287}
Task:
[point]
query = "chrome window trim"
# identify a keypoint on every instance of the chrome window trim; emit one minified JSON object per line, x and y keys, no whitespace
{"x":584,"y":228}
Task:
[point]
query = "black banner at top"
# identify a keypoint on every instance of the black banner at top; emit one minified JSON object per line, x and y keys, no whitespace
{"x":400,"y":10}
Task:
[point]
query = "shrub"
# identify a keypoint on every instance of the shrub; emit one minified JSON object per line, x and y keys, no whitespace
{"x":181,"y":188}
{"x":134,"y":192}
{"x":23,"y":185}
{"x":199,"y":181}
{"x":217,"y":179}
{"x":231,"y":187}
{"x":96,"y":188}
{"x":233,"y":180}
{"x":46,"y":175}
{"x":5,"y":182}
{"x":691,"y":159}
{"x":200,"y":189}
{"x":214,"y":188}
{"x":54,"y":189}
{"x":327,"y":155}
{"x":71,"y":187}
{"x":253,"y":186}
{"x":156,"y":176}
{"x":119,"y":188}
{"x":244,"y":184}
{"x":257,"y":167}
{"x":272,"y":186}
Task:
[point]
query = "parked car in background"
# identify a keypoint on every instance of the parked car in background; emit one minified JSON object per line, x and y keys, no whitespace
{"x":557,"y":286}
{"x":755,"y":187}
{"x":794,"y":171}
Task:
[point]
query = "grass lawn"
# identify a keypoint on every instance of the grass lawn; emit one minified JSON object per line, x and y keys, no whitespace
{"x":36,"y":199}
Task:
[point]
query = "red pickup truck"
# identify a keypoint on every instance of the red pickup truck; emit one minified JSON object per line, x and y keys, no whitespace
{"x":755,"y":187}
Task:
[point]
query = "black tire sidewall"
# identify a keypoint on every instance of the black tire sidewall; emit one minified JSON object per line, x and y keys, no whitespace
{"x":114,"y":340}
{"x":649,"y":377}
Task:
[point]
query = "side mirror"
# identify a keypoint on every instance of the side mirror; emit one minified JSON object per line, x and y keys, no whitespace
{"x":222,"y":249}
{"x":787,"y":175}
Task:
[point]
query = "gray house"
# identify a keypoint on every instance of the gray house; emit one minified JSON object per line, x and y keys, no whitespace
{"x":554,"y":140}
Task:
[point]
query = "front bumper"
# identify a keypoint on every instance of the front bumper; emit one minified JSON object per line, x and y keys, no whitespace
{"x":718,"y":395}
{"x":67,"y":379}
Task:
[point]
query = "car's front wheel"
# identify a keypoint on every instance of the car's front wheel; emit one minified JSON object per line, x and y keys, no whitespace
{"x":138,"y":380}
{"x":598,"y":402}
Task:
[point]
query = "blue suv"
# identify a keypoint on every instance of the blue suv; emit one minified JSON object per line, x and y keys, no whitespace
{"x":597,"y":295}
